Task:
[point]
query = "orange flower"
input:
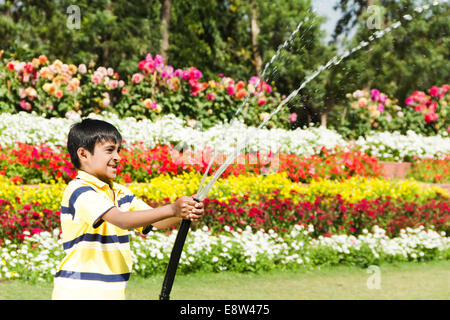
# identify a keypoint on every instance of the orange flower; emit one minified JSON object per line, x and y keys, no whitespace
{"x":59,"y":94}
{"x":148,"y":103}
{"x":241,"y":93}
{"x":240,"y":85}
{"x":43,"y":59}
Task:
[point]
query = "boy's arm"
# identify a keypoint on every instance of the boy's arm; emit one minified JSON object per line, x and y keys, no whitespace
{"x":182,"y":208}
{"x":166,"y":223}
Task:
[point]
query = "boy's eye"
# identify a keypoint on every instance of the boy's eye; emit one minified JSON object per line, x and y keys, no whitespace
{"x":112,"y":150}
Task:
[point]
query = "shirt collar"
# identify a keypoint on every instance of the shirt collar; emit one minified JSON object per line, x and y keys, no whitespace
{"x":83,"y":175}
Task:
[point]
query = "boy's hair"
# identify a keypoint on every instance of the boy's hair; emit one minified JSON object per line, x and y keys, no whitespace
{"x":86,"y":134}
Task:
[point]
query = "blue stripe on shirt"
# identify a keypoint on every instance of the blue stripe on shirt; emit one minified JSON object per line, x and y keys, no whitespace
{"x":73,"y":197}
{"x":93,"y":276}
{"x":94,"y":237}
{"x":126,"y":199}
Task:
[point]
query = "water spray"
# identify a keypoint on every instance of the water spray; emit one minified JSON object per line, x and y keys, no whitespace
{"x":203,"y":191}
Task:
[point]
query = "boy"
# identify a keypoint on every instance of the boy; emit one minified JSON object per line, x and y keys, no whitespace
{"x":97,"y":213}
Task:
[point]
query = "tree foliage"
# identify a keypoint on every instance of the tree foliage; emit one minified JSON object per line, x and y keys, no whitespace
{"x":215,"y":37}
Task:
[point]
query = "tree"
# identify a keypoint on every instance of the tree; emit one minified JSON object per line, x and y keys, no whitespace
{"x":254,"y":27}
{"x":112,"y":33}
{"x":165,"y":24}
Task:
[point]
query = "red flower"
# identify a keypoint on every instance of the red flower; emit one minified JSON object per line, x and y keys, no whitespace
{"x":430,"y":117}
{"x":262,"y":101}
{"x":434,"y":91}
{"x":10,"y":66}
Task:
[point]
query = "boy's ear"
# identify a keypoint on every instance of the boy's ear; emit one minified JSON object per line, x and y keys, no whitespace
{"x":82,"y":153}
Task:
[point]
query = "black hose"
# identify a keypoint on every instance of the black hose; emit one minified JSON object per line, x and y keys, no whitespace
{"x":175,"y":259}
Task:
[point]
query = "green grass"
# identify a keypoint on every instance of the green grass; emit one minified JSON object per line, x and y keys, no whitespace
{"x":419,"y":281}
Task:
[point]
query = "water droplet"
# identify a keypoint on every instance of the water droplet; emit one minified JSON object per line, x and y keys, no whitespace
{"x":396,"y":24}
{"x":407,"y":17}
{"x":345,"y":54}
{"x":364,"y":44}
{"x":379,"y":34}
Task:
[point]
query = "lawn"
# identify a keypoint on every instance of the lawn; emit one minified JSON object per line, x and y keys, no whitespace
{"x":419,"y":281}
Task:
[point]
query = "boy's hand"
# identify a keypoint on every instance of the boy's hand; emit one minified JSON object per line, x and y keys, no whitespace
{"x":187,"y":208}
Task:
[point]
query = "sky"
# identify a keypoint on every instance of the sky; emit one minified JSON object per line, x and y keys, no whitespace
{"x":325,"y":8}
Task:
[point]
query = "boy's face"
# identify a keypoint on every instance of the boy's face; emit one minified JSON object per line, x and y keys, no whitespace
{"x":103,"y":162}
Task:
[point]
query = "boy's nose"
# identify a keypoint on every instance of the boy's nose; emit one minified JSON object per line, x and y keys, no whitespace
{"x":117,"y":157}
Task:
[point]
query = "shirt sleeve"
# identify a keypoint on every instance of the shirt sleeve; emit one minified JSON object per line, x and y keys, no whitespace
{"x":90,"y":206}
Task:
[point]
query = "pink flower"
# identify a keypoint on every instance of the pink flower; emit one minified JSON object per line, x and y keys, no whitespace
{"x":36,"y":230}
{"x":420,"y":107}
{"x":293,"y":117}
{"x":113,"y":84}
{"x":82,"y":68}
{"x":137,"y":78}
{"x":185,"y":74}
{"x":262,"y":101}
{"x":158,"y":60}
{"x":25,"y":105}
{"x":409,"y":101}
{"x":197,"y":74}
{"x":380,"y":107}
{"x":149,"y":66}
{"x":230,"y":90}
{"x":382,"y":98}
{"x":434,"y":91}
{"x":253,"y":80}
{"x":430,"y":117}
{"x":178,"y":73}
{"x":141,"y":64}
{"x":267,"y":88}
{"x":95,"y":79}
{"x":432,"y":107}
{"x":374,"y":93}
{"x":211,"y":96}
{"x":445,"y":88}
{"x":22,"y":93}
{"x":419,"y":97}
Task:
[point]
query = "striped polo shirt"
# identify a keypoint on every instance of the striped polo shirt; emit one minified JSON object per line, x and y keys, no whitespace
{"x":97,"y":262}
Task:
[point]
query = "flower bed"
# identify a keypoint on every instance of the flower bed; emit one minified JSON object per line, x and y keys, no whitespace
{"x":373,"y":110}
{"x":58,"y":89}
{"x":431,"y":170}
{"x":38,"y":257}
{"x":262,"y":202}
{"x":169,"y":130}
{"x":329,"y":215}
{"x":30,"y":164}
